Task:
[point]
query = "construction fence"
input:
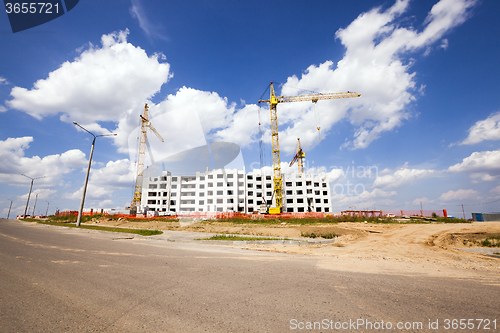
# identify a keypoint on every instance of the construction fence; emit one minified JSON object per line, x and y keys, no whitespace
{"x":229,"y":215}
{"x":486,"y":217}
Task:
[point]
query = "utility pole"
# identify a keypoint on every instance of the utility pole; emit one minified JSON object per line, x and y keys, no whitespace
{"x":463,"y":211}
{"x":36,"y":198}
{"x":80,"y":211}
{"x":29,"y":194}
{"x":8,"y":215}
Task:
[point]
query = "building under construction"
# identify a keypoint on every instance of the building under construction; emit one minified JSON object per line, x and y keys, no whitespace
{"x":223,"y":190}
{"x":232,"y":191}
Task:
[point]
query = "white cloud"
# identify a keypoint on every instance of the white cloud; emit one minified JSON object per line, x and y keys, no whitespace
{"x":94,"y":191}
{"x":3,"y":80}
{"x":360,"y":197}
{"x":115,"y":175}
{"x":106,"y":203}
{"x":487,"y":129}
{"x":42,"y":195}
{"x":402,"y":176}
{"x":484,"y":165}
{"x":444,"y":44}
{"x":109,"y":83}
{"x":334,"y":175}
{"x":3,"y":108}
{"x":373,"y":65}
{"x":496,"y":192}
{"x":52,"y":167}
{"x":459,"y":195}
{"x":422,"y":200}
{"x":137,"y":11}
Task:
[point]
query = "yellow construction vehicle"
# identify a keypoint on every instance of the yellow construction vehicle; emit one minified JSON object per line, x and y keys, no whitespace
{"x":273,"y":103}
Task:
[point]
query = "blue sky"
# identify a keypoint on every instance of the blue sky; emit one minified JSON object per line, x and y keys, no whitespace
{"x":426,"y":128}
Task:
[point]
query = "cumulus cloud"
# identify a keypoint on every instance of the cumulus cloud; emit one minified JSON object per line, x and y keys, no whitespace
{"x":115,"y":175}
{"x":94,"y":191}
{"x":487,"y":129}
{"x":373,"y":65}
{"x":422,"y":200}
{"x":484,"y":165}
{"x":3,"y":81}
{"x":402,"y":176}
{"x":52,"y":167}
{"x":361,"y":198}
{"x":112,"y":82}
{"x":107,"y":83}
{"x":40,"y":194}
{"x":459,"y":195}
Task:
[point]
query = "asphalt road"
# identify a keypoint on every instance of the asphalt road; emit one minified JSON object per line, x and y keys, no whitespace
{"x":56,"y":279}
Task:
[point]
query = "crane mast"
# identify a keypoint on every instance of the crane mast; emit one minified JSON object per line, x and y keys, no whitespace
{"x":145,"y":124}
{"x":273,"y":103}
{"x":299,"y":157}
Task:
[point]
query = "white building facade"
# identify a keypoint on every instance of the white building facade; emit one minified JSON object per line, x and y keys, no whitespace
{"x":232,"y":191}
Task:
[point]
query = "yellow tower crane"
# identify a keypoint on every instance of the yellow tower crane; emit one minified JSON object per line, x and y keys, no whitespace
{"x":273,"y":102}
{"x":145,"y":124}
{"x":299,"y":157}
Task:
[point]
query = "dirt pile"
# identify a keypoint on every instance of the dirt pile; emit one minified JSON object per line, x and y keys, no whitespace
{"x":432,"y":249}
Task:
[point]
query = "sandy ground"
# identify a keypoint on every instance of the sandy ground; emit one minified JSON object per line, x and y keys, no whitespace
{"x":433,"y":249}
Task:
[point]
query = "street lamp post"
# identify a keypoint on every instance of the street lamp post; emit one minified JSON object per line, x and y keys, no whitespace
{"x":36,"y":198}
{"x":80,"y":211}
{"x":29,"y":194}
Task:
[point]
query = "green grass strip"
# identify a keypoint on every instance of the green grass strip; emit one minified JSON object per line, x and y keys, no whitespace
{"x":240,"y":238}
{"x":142,"y":232}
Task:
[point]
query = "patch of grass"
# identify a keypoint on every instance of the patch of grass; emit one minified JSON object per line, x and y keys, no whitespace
{"x":240,"y":238}
{"x":73,"y":218}
{"x":89,"y":218}
{"x":156,"y":219}
{"x":30,"y":220}
{"x":453,"y":220}
{"x":313,"y":235}
{"x":491,"y":241}
{"x":68,"y":218}
{"x":406,"y":221}
{"x":297,"y":221}
{"x":339,"y":219}
{"x":142,"y":232}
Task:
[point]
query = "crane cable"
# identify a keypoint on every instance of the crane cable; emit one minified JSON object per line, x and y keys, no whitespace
{"x":316,"y":113}
{"x":317,"y":116}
